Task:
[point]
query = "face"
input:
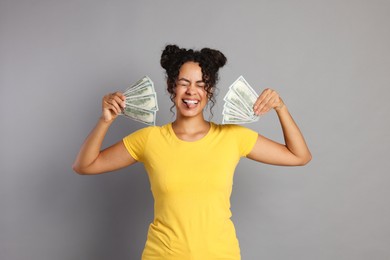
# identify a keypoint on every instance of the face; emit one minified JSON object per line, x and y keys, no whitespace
{"x":191,"y":96}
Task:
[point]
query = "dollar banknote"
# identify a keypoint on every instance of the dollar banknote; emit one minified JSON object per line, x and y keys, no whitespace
{"x":141,"y":115}
{"x":148,"y":101}
{"x":141,"y":101}
{"x":140,"y":83}
{"x":239,"y":101}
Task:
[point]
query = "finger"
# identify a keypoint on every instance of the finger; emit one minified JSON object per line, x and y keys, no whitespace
{"x":263,"y":100}
{"x":274,"y":103}
{"x":263,"y":95}
{"x":265,"y":104}
{"x":271,"y":100}
{"x":112,"y":104}
{"x":269,"y":103}
{"x":267,"y":107}
{"x":107,"y":105}
{"x":120,"y":95}
{"x":116,"y":99}
{"x":114,"y":109}
{"x":116,"y":106}
{"x":119,"y":99}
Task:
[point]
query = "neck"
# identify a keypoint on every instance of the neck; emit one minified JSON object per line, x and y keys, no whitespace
{"x":190,"y":125}
{"x":190,"y":128}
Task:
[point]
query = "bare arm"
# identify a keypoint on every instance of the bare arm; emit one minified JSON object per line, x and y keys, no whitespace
{"x":295,"y":151}
{"x":91,"y":159}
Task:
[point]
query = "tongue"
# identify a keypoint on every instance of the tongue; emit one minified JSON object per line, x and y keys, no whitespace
{"x":191,"y":105}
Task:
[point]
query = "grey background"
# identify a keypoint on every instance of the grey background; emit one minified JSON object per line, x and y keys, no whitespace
{"x":329,"y":60}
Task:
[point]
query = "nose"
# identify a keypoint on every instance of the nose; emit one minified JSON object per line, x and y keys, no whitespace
{"x":190,"y":89}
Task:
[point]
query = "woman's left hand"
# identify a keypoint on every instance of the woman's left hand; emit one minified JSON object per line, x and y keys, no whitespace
{"x":268,"y":99}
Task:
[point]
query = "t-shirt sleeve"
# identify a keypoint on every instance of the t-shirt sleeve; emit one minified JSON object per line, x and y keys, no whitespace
{"x":246,"y":138}
{"x":136,"y":142}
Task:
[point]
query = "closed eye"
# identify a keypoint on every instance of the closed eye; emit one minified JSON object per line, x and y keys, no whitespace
{"x":183,"y":83}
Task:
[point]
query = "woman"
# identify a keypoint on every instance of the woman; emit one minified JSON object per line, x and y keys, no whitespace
{"x":191,"y":162}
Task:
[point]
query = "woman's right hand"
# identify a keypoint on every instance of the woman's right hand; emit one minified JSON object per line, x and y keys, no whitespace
{"x":112,"y":105}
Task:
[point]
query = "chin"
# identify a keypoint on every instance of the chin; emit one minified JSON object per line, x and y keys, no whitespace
{"x":190,"y":113}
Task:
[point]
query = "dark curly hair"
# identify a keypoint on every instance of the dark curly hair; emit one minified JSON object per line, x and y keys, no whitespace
{"x":210,"y":60}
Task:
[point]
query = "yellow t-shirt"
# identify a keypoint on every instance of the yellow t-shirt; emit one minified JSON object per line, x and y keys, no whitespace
{"x":191,"y":184}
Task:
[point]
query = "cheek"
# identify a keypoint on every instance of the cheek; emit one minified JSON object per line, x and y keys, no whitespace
{"x":203,"y":93}
{"x":176,"y":92}
{"x":205,"y":96}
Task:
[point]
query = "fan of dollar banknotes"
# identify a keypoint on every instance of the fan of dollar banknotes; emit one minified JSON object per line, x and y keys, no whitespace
{"x":141,"y":101}
{"x":239,"y":101}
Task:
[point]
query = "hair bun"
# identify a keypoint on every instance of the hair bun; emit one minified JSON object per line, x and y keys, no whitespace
{"x":169,"y":54}
{"x":215,"y":56}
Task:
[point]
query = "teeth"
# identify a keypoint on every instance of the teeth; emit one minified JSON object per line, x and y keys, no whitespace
{"x":191,"y":101}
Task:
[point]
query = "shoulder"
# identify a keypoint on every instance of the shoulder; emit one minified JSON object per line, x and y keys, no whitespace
{"x":236,"y":132}
{"x":153,"y":129}
{"x":243,"y":138}
{"x":231,"y":128}
{"x":145,"y":132}
{"x":138,"y":141}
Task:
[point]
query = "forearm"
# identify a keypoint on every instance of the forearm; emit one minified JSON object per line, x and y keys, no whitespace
{"x":91,"y":147}
{"x":293,"y":137}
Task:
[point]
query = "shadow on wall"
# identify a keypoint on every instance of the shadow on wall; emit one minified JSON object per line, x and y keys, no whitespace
{"x":102,"y":216}
{"x":123,"y":213}
{"x":122,"y":207}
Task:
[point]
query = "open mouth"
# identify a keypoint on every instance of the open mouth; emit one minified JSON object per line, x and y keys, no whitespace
{"x":191,"y":103}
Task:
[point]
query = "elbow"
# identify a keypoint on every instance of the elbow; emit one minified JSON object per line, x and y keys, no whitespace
{"x":85,"y":170}
{"x":77,"y":169}
{"x":305,"y":160}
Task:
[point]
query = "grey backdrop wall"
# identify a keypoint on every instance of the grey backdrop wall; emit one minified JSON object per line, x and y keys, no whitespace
{"x":329,"y":60}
